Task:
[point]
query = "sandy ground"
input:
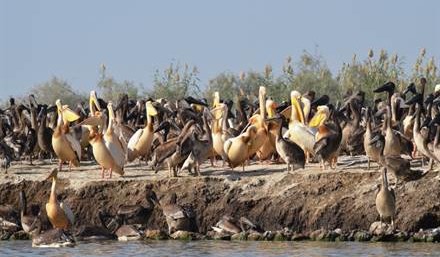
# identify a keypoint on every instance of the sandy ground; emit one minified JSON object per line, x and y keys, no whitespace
{"x":89,"y":171}
{"x":304,"y":200}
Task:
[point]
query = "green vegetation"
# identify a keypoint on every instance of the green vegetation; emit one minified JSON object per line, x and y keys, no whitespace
{"x":176,"y":82}
{"x":110,"y":89}
{"x":309,"y":72}
{"x":57,"y":88}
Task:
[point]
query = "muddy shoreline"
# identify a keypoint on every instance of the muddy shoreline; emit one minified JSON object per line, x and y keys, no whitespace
{"x":304,"y":202}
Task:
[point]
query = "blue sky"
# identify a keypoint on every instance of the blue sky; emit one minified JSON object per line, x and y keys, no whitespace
{"x":70,"y":39}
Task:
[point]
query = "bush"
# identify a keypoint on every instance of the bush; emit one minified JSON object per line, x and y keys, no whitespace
{"x":57,"y":88}
{"x":176,"y":82}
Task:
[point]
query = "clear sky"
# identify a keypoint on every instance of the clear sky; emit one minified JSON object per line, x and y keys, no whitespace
{"x":70,"y":39}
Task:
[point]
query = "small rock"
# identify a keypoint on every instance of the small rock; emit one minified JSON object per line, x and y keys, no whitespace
{"x":20,"y":235}
{"x":219,"y":236}
{"x":318,"y":235}
{"x":155,"y":234}
{"x":279,"y":236}
{"x":299,"y":237}
{"x":342,"y":238}
{"x":401,"y":236}
{"x":186,"y":235}
{"x":378,"y":228}
{"x":239,"y":236}
{"x":419,"y":236}
{"x":331,"y":236}
{"x":128,"y":233}
{"x":255,"y":236}
{"x":433,"y":236}
{"x":362,"y":236}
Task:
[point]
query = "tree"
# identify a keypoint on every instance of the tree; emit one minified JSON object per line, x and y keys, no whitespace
{"x":424,"y":67}
{"x":57,"y":88}
{"x":372,"y":72}
{"x":110,"y":89}
{"x":176,"y":82}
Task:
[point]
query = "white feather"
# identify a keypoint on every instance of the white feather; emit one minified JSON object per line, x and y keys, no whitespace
{"x":68,"y":212}
{"x":189,"y":162}
{"x":134,"y":139}
{"x":302,"y":135}
{"x":216,"y":229}
{"x":74,"y":143}
{"x":116,"y":152}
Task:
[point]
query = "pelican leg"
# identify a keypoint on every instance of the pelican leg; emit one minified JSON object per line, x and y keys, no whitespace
{"x":368,"y":158}
{"x":174,"y":171}
{"x":212,"y":160}
{"x":70,"y":166}
{"x":243,"y":166}
{"x":60,"y":165}
{"x":197,"y":168}
{"x":102,"y":172}
{"x":111,"y":172}
{"x":334,"y":163}
{"x":392,"y":223}
{"x":414,"y":152}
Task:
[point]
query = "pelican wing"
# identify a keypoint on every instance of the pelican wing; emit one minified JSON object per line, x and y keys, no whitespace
{"x":174,"y":212}
{"x":227,"y":145}
{"x":74,"y":143}
{"x":287,"y":112}
{"x":134,"y":139}
{"x":320,"y":144}
{"x":302,"y":136}
{"x":68,"y":212}
{"x":117,"y":153}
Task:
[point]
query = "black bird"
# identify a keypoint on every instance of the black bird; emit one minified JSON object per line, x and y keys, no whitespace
{"x":30,"y":143}
{"x":6,"y":155}
{"x":388,"y":87}
{"x":323,"y":100}
{"x":44,"y":133}
{"x":192,"y":100}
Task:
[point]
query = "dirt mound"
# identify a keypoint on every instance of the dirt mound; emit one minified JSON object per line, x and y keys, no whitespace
{"x":303,"y":201}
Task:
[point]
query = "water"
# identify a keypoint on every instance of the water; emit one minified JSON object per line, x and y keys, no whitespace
{"x":224,"y":248}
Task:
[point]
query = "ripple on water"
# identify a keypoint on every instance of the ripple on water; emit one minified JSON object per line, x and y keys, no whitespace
{"x":224,"y":248}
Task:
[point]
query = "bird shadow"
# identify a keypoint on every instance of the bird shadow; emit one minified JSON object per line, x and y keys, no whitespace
{"x":240,"y":173}
{"x":28,"y":173}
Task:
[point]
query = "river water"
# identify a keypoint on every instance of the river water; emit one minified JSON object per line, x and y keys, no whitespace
{"x":224,"y":248}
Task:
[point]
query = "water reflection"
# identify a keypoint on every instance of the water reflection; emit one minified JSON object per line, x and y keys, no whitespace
{"x":224,"y":248}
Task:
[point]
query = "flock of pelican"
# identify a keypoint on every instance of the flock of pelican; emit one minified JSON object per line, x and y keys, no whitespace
{"x":182,"y":135}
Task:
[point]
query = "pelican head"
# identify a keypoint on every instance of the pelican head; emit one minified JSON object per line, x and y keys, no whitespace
{"x":270,"y":107}
{"x":151,"y":111}
{"x":94,"y":103}
{"x":323,"y":112}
